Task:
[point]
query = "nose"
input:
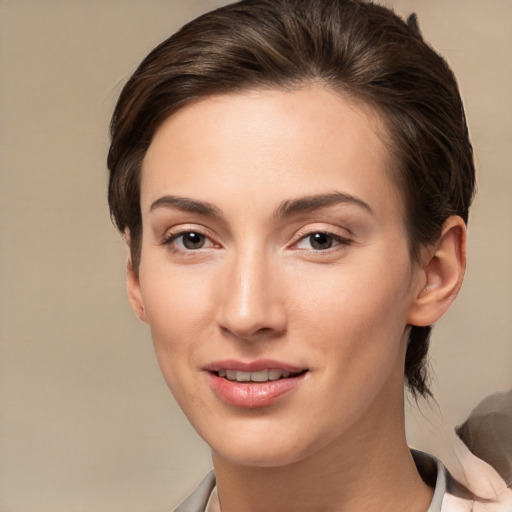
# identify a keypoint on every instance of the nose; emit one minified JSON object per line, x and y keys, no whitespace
{"x":253,"y":305}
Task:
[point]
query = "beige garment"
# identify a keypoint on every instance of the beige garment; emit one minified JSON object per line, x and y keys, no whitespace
{"x":488,"y":432}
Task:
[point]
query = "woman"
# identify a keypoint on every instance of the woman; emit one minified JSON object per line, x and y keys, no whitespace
{"x":293,"y":179}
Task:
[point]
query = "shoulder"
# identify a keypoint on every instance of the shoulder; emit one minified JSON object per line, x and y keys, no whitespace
{"x":449,"y":495}
{"x":486,"y":432}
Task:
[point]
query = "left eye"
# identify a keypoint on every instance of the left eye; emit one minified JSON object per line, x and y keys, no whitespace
{"x":319,"y":241}
{"x":189,"y":240}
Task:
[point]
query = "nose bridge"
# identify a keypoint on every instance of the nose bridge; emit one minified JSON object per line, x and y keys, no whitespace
{"x":252,"y":303}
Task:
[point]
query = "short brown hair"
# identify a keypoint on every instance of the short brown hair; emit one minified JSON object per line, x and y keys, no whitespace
{"x":358,"y":48}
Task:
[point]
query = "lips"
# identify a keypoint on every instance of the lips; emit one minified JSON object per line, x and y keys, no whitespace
{"x":256,"y":384}
{"x":259,"y":376}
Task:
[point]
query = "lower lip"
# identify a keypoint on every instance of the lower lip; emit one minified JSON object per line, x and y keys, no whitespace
{"x":252,"y":394}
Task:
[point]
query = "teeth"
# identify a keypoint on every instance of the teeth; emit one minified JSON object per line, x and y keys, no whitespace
{"x":260,"y":376}
{"x":274,"y":374}
{"x":231,"y":374}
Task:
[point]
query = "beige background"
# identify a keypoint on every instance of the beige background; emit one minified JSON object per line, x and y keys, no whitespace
{"x":86,"y":420}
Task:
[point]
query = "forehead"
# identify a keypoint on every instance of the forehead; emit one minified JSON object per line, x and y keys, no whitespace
{"x":272,"y":142}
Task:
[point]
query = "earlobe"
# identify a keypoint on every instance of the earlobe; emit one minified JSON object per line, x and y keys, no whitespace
{"x":442,"y":274}
{"x":133,"y":290}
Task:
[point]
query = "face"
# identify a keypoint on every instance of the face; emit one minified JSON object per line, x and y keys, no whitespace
{"x":275,"y":272}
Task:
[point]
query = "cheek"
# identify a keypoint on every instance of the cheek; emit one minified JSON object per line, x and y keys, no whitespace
{"x":356,"y":317}
{"x":357,"y":327}
{"x":177,"y":300}
{"x":179,"y":308}
{"x":354,"y":296}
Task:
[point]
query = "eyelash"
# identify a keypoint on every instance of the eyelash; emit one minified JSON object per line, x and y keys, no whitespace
{"x":169,"y":240}
{"x":337,"y":240}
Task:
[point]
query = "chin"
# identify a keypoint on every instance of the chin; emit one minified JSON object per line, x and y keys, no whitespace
{"x":258,"y":456}
{"x":264,"y":446}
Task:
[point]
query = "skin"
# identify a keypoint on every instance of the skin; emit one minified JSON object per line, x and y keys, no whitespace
{"x":257,"y":287}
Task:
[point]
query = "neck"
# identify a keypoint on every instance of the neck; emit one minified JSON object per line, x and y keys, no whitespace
{"x":367,"y":468}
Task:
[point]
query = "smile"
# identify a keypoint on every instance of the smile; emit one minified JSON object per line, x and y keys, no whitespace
{"x":254,"y":384}
{"x":258,"y":376}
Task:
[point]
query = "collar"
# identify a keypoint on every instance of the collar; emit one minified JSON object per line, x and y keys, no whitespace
{"x":431,"y":469}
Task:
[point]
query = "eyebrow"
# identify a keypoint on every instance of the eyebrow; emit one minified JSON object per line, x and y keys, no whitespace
{"x":186,"y":204}
{"x":315,"y":202}
{"x":287,"y":208}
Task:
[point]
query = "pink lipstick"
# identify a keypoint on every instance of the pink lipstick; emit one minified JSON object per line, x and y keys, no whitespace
{"x":256,"y":384}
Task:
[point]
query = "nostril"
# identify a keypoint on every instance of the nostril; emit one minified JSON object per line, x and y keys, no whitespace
{"x":261,"y":333}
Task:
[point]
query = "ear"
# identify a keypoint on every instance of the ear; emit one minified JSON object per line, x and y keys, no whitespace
{"x":133,"y":290}
{"x":442,"y":272}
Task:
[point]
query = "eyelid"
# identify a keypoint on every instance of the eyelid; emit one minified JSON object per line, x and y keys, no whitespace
{"x":304,"y":233}
{"x":174,"y":233}
{"x":331,"y":230}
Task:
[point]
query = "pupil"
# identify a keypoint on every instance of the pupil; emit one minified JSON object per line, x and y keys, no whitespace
{"x":193,"y":240}
{"x":320,"y":241}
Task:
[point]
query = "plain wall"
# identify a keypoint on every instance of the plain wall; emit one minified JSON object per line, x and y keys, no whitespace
{"x":87,"y":422}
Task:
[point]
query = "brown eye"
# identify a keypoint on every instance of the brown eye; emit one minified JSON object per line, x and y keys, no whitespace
{"x":321,"y":241}
{"x":191,"y":240}
{"x":185,"y":241}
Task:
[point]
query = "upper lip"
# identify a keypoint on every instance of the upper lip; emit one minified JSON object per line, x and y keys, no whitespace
{"x":253,"y":366}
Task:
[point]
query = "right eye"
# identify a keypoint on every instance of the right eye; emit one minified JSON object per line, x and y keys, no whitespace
{"x":185,"y":241}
